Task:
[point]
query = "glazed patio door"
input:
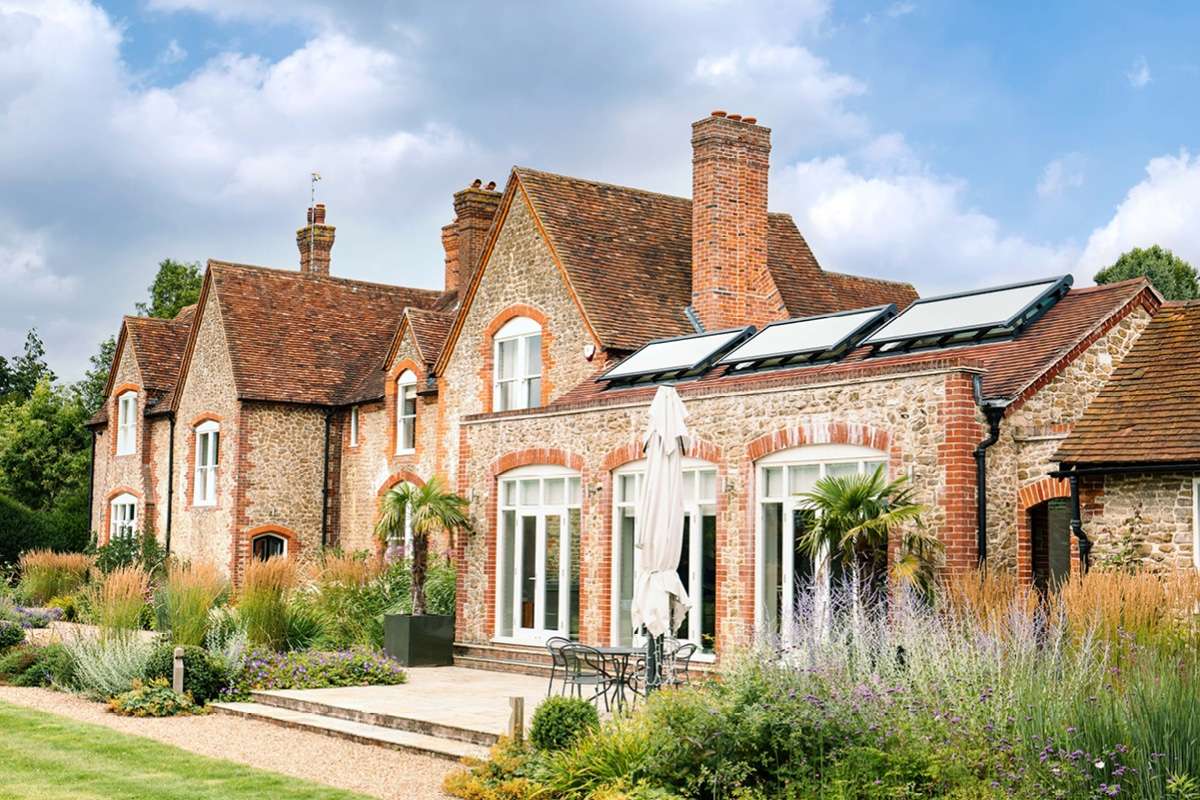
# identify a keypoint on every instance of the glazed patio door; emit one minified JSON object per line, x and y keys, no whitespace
{"x":542,"y":558}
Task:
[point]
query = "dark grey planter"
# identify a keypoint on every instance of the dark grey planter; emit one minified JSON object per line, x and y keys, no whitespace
{"x":424,"y":641}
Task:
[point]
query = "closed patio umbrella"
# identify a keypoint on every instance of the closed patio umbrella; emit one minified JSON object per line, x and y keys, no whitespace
{"x":659,"y":599}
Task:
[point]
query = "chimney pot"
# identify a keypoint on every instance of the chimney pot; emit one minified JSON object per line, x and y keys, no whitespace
{"x":491,"y":187}
{"x":718,"y":113}
{"x":319,"y":214}
{"x":735,"y":117}
{"x":475,"y":184}
{"x":750,"y":120}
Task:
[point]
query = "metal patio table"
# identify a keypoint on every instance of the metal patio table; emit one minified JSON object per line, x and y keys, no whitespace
{"x":621,"y":658}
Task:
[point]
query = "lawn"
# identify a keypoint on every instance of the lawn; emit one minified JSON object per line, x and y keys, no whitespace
{"x":47,"y":757}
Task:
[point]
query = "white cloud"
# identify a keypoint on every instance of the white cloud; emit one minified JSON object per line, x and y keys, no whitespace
{"x":900,"y":9}
{"x":899,"y":219}
{"x":1061,"y":174}
{"x":1139,"y":74}
{"x":23,"y":270}
{"x":1162,"y":209}
{"x":172,"y":54}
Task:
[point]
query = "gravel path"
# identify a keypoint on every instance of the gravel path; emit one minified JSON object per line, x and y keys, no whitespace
{"x":374,"y":771}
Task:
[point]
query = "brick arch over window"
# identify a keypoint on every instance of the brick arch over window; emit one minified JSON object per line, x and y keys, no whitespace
{"x":391,"y":403}
{"x":287,"y":534}
{"x":552,"y":456}
{"x":632,"y":451}
{"x":487,"y":350}
{"x":1028,"y":496}
{"x":397,"y":478}
{"x":106,"y":533}
{"x":114,"y":413}
{"x":827,"y":433}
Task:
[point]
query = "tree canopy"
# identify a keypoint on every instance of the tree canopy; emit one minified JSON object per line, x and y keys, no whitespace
{"x":20,"y":375}
{"x":175,"y":285}
{"x":1170,"y":274}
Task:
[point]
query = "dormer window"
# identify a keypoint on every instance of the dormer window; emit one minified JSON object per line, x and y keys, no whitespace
{"x":517,"y":381}
{"x":406,"y":412}
{"x":207,"y":456}
{"x":126,"y":423}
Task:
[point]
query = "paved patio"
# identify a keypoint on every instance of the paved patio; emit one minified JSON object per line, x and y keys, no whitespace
{"x":455,"y":701}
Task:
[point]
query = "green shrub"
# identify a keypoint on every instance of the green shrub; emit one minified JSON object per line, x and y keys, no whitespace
{"x":11,"y":634}
{"x":204,"y":675}
{"x":152,"y":699}
{"x":21,"y":529}
{"x":140,"y":550}
{"x":265,"y":669}
{"x":559,"y":721}
{"x":36,"y":666}
{"x":67,"y":604}
{"x":104,"y":667}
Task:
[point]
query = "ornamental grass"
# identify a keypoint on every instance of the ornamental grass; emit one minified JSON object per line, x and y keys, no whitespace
{"x":265,"y":609}
{"x":119,"y":601}
{"x":186,"y":599}
{"x":46,"y":574}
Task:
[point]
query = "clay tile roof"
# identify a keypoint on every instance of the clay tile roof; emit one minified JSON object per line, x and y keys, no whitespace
{"x":158,"y":345}
{"x":306,"y":338}
{"x":1008,"y":367}
{"x":429,"y":330}
{"x":628,"y":255}
{"x":1149,"y":411}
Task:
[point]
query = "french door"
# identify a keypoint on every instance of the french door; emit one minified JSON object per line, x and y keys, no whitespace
{"x":543,"y":559}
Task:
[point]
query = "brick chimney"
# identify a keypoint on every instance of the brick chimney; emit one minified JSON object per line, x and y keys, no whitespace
{"x":463,"y":239}
{"x":315,"y":240}
{"x":731,"y":285}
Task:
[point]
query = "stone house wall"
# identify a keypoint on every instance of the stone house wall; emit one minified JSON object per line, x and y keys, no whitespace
{"x":520,"y":273}
{"x":117,"y":474}
{"x":280,"y":471}
{"x":920,"y":421}
{"x":207,"y":392}
{"x":1147,"y":518}
{"x":1032,"y":431}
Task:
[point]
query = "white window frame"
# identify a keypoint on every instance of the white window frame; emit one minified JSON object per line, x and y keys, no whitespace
{"x":271,"y":535}
{"x":694,"y":501}
{"x":1196,"y":521}
{"x":406,"y":423}
{"x":208,"y":453}
{"x":821,"y":455}
{"x":122,"y":517}
{"x":519,"y":330}
{"x":127,"y":422}
{"x":354,"y":426}
{"x":571,"y":500}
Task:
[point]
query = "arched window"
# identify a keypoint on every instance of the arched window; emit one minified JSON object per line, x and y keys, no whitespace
{"x":127,"y":423}
{"x":537,"y":554}
{"x":407,"y":540}
{"x":784,"y":575}
{"x":517,"y":365}
{"x":698,"y":559}
{"x":207,"y":456}
{"x":406,"y":412}
{"x":266,"y":546}
{"x":122,"y":518}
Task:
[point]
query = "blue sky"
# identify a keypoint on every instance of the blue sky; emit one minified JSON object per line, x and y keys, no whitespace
{"x":948,"y":144}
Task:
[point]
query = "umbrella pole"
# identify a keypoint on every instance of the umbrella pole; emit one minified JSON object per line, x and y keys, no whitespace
{"x":654,"y":648}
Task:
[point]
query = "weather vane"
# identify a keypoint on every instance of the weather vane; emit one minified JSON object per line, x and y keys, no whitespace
{"x":312,"y":212}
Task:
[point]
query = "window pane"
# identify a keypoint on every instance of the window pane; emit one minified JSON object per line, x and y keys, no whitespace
{"x":509,"y":492}
{"x":803,"y":478}
{"x":508,"y":557}
{"x":685,"y":572}
{"x":528,"y":569}
{"x":556,"y":491}
{"x":410,"y":401}
{"x":530,"y":495}
{"x":533,"y":355}
{"x":803,"y":568}
{"x":689,"y":486}
{"x":842,"y":468}
{"x":708,"y":485}
{"x":627,"y":489}
{"x":504,"y":397}
{"x":573,"y":527}
{"x":533,"y":397}
{"x":552,"y":578}
{"x":772,"y":482}
{"x":408,"y":434}
{"x":507,"y":356}
{"x":625,"y":600}
{"x":708,"y":585}
{"x":573,"y":491}
{"x":772,"y":563}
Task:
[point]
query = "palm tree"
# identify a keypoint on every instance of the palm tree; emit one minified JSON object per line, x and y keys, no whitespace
{"x":431,"y":508}
{"x":855,"y":515}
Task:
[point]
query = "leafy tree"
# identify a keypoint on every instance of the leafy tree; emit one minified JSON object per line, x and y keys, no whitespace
{"x":433,"y":509}
{"x":1169,"y":273}
{"x":19,"y":376}
{"x":91,"y":387}
{"x":176,"y":284}
{"x":43,"y":446}
{"x":853,"y":518}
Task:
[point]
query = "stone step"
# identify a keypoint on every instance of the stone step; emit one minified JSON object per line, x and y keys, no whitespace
{"x":503,"y":665}
{"x":392,"y":721}
{"x":360,"y":732}
{"x":506,"y":652}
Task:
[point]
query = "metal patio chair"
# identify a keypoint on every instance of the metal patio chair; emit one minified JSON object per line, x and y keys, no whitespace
{"x":678,"y":662}
{"x":555,"y":644}
{"x":586,"y":669}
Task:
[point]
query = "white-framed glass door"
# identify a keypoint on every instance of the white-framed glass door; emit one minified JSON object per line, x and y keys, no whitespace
{"x":785,"y":574}
{"x":697,"y":560}
{"x":537,"y":588}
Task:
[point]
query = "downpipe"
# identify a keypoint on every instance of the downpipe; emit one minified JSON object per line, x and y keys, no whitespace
{"x":993,"y":412}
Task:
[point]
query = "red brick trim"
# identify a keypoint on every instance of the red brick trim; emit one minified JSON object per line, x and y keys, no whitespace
{"x":487,"y":350}
{"x":396,"y":478}
{"x":222,"y":444}
{"x":551,"y":456}
{"x":238,"y":550}
{"x":115,"y":416}
{"x":293,"y":539}
{"x":833,"y":433}
{"x":392,"y":405}
{"x":632,"y":451}
{"x":1028,"y":496}
{"x":205,"y":416}
{"x":962,"y":428}
{"x":140,"y":506}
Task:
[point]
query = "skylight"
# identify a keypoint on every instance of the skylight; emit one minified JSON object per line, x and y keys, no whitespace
{"x":969,"y":316}
{"x":681,"y":357}
{"x":799,"y":341}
